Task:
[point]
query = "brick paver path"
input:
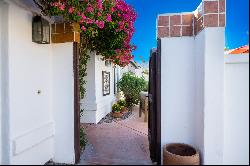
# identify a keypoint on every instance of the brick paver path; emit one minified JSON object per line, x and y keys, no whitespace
{"x":118,"y":143}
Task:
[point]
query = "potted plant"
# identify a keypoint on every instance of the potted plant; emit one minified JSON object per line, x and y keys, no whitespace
{"x":123,"y":105}
{"x":116,"y":108}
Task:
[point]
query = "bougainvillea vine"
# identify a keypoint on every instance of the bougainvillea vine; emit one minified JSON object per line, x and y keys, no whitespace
{"x":107,"y":24}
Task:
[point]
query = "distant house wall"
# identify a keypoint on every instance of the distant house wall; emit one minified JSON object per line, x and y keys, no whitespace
{"x":89,"y":101}
{"x":95,"y":105}
{"x":104,"y":103}
{"x":236,"y":120}
{"x":129,"y":68}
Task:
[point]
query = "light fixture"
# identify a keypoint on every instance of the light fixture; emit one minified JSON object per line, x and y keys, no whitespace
{"x":40,"y":30}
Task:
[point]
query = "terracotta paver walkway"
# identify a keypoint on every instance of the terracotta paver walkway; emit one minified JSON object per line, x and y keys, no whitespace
{"x":117,"y":143}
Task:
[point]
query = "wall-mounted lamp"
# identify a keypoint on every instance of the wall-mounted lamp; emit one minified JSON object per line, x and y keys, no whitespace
{"x":40,"y":30}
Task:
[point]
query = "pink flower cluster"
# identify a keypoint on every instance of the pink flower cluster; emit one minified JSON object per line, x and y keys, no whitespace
{"x":124,"y":57}
{"x":100,"y":14}
{"x":59,"y":4}
{"x":127,"y":17}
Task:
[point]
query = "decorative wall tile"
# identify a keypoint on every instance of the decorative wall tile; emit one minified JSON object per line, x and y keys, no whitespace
{"x":163,"y":21}
{"x":211,"y":7}
{"x":187,"y":19}
{"x":222,"y":20}
{"x":175,"y":31}
{"x":175,"y":20}
{"x":210,"y":13}
{"x":211,"y":20}
{"x":187,"y":30}
{"x":222,"y":6}
{"x":163,"y":32}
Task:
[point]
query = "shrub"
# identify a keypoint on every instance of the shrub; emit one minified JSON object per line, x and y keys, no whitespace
{"x":122,"y":103}
{"x":145,"y":89}
{"x":131,"y":86}
{"x":116,"y":108}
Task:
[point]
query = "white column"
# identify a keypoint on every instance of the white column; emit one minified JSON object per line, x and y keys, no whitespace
{"x":63,"y":103}
{"x":213,"y":95}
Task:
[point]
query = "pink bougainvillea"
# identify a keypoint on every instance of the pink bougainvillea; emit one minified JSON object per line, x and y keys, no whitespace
{"x":110,"y":22}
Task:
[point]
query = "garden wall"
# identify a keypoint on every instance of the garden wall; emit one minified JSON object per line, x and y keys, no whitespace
{"x":192,"y":65}
{"x":178,"y":85}
{"x":236,"y":123}
{"x":63,"y":102}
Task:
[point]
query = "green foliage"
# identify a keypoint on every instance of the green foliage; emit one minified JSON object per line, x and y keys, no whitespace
{"x":131,"y":86}
{"x":83,"y":60}
{"x":84,"y":57}
{"x":122,"y":103}
{"x":145,"y":89}
{"x":116,"y":108}
{"x":83,"y":138}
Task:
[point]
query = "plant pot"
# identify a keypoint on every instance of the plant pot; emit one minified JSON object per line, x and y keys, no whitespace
{"x":117,"y":114}
{"x":124,"y":110}
{"x":180,"y":154}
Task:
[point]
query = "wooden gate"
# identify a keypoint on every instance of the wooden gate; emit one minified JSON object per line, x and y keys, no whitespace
{"x":76,"y":102}
{"x":154,"y":124}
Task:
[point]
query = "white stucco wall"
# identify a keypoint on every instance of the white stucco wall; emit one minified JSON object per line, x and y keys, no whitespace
{"x":31,"y":121}
{"x":96,"y":106}
{"x":1,"y":71}
{"x":36,"y":127}
{"x":199,"y":91}
{"x":214,"y":95}
{"x":63,"y":102}
{"x":104,"y":103}
{"x":236,"y":124}
{"x":192,"y":92}
{"x":89,"y":102}
{"x":177,"y":91}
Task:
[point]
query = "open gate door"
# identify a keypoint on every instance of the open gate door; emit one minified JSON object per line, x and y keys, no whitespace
{"x":154,"y":125}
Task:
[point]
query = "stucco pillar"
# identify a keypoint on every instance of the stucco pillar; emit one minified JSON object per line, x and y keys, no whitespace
{"x":192,"y":47}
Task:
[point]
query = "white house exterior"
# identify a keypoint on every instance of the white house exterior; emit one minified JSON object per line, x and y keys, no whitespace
{"x":96,"y":105}
{"x":37,"y":92}
{"x":133,"y":67}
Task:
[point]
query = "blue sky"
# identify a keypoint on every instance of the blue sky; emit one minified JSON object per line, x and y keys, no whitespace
{"x":237,"y":29}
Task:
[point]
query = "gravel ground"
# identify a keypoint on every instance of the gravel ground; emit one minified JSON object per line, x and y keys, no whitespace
{"x":109,"y":118}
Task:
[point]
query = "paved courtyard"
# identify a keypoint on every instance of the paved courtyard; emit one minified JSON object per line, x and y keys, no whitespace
{"x":117,"y":143}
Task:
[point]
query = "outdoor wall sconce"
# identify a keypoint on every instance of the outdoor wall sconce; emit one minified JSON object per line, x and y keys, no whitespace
{"x":40,"y":30}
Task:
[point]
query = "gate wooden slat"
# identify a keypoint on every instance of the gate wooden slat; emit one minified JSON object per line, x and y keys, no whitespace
{"x":154,"y":124}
